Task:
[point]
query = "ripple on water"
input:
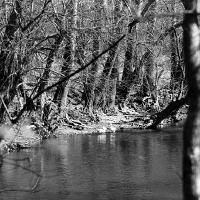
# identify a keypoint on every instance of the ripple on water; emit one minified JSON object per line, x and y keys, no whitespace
{"x":128,"y":165}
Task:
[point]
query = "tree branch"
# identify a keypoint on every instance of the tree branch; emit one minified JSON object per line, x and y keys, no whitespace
{"x":37,"y":17}
{"x":135,"y":21}
{"x":169,"y":30}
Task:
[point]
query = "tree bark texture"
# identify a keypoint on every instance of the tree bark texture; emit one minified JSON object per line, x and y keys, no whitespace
{"x":191,"y":137}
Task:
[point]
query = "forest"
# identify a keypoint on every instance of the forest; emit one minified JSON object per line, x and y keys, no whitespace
{"x":101,"y":64}
{"x":64,"y":59}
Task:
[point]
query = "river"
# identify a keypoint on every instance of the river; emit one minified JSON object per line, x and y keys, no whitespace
{"x":129,"y":165}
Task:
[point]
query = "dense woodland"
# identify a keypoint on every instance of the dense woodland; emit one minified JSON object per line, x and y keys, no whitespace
{"x":90,"y":55}
{"x":103,"y":56}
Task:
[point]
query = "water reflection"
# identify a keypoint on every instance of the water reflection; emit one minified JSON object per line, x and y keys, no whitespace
{"x":122,"y":166}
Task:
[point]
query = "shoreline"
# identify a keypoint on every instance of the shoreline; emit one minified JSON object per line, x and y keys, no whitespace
{"x":16,"y":138}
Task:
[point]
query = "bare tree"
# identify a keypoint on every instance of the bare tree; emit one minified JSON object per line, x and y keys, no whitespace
{"x":10,"y":73}
{"x":92,"y":80}
{"x":109,"y":76}
{"x":130,"y":71}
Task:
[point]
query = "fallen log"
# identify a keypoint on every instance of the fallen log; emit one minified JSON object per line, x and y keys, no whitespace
{"x":170,"y":109}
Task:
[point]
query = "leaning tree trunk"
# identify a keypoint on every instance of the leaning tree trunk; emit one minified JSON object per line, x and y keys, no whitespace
{"x":191,"y":136}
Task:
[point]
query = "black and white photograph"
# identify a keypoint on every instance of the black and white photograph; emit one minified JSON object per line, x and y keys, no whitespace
{"x":99,"y":99}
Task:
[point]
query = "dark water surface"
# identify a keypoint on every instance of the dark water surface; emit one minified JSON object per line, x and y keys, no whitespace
{"x":127,"y":166}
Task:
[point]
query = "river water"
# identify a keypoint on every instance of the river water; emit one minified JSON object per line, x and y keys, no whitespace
{"x":128,"y":165}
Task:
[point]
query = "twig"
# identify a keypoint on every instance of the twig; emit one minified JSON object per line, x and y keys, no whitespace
{"x":37,"y":183}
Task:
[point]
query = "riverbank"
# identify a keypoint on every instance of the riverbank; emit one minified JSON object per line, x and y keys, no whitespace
{"x":105,"y":123}
{"x":80,"y":123}
{"x":17,"y":137}
{"x":32,"y":132}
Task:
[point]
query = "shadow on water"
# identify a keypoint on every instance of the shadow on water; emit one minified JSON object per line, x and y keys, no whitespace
{"x":126,"y":165}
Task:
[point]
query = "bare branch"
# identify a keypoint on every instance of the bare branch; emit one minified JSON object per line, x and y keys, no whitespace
{"x":169,"y":30}
{"x":147,"y":6}
{"x":135,"y":21}
{"x":69,"y":76}
{"x":37,"y":17}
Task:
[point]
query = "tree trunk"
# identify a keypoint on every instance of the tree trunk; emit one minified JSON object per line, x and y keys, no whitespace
{"x":171,"y":109}
{"x":111,"y":66}
{"x":7,"y":57}
{"x":128,"y":76}
{"x":61,"y":94}
{"x":50,"y":59}
{"x":176,"y":70}
{"x":113,"y":88}
{"x":148,"y":65}
{"x":147,"y":86}
{"x":191,"y":136}
{"x":45,"y":76}
{"x":92,"y":81}
{"x":130,"y":62}
{"x":91,"y":85}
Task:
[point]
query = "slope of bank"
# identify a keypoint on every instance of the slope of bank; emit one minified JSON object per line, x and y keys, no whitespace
{"x":33,"y":131}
